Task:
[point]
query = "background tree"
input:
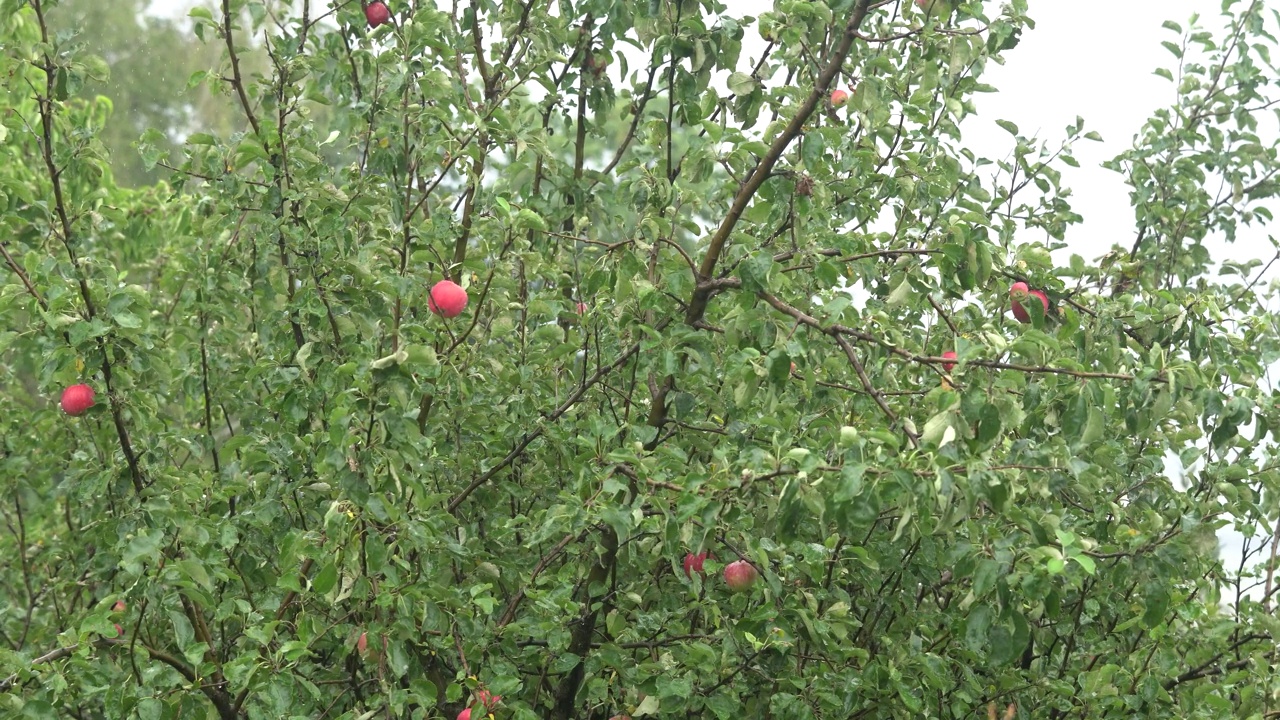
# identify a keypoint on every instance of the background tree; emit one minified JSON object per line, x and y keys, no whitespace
{"x":150,"y":61}
{"x":696,"y":323}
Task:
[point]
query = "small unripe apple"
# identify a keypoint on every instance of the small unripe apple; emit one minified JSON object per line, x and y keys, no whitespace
{"x":693,"y":563}
{"x":118,"y":607}
{"x":376,"y":13}
{"x":839,"y":98}
{"x":76,"y":399}
{"x":447,"y":298}
{"x":935,"y":8}
{"x":1020,"y":293}
{"x":951,"y":355}
{"x":740,"y":575}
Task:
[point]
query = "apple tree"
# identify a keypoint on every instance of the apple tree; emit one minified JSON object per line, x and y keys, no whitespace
{"x":586,"y":360}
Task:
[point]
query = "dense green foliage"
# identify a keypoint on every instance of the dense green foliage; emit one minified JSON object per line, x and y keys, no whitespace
{"x":317,"y":499}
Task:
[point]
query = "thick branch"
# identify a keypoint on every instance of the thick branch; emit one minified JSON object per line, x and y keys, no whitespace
{"x":580,"y":636}
{"x":1210,"y":667}
{"x":698,"y":304}
{"x":237,"y":81}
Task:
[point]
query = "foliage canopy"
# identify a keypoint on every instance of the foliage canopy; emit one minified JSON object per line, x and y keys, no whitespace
{"x":697,"y":321}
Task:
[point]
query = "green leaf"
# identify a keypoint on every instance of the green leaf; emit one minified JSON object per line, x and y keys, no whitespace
{"x":1157,"y":606}
{"x":325,"y":579}
{"x":754,"y":271}
{"x":195,"y":571}
{"x":741,"y":83}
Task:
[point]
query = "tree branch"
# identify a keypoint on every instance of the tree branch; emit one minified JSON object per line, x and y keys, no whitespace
{"x":237,"y":81}
{"x":698,"y":303}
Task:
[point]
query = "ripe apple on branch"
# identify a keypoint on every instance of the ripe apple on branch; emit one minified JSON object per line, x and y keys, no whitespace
{"x":1021,"y":294}
{"x":376,"y":13}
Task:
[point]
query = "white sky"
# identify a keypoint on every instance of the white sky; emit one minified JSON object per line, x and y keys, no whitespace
{"x":1087,"y":58}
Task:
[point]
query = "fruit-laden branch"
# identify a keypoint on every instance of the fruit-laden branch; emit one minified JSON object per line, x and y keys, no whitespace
{"x":45,"y":103}
{"x":481,"y":298}
{"x":838,"y":330}
{"x":698,"y":303}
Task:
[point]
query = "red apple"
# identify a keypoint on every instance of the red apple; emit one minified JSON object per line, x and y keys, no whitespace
{"x":447,"y":298}
{"x":363,"y":643}
{"x":693,"y":563}
{"x":465,"y":714}
{"x":1020,"y":293}
{"x":582,"y":308}
{"x":740,"y":575}
{"x":596,"y":64}
{"x":620,"y":717}
{"x":118,"y":607}
{"x":950,"y":355}
{"x":376,"y":13}
{"x":488,"y":699}
{"x":119,"y":630}
{"x":839,"y":98}
{"x":76,"y":399}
